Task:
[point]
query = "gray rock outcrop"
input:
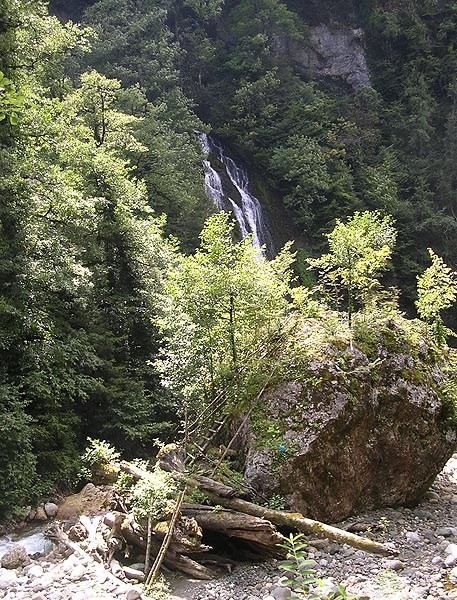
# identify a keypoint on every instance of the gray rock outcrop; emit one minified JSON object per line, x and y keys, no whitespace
{"x":333,"y":52}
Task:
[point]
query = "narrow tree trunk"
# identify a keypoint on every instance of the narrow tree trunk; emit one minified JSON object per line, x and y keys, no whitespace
{"x":232,"y":331}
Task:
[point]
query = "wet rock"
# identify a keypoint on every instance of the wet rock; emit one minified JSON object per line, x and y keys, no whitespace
{"x":15,"y":558}
{"x":32,"y":514}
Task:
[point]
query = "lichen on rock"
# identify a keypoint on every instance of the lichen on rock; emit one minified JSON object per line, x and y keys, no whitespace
{"x":353,"y":429}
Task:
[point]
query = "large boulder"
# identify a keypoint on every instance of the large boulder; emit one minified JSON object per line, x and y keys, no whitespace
{"x":16,"y":557}
{"x":89,"y":501}
{"x":353,"y":430}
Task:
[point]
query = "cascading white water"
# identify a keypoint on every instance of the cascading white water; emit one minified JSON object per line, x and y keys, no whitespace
{"x":249,"y":212}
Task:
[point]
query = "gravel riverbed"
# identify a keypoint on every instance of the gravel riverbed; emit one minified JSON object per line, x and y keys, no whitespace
{"x":425,"y":568}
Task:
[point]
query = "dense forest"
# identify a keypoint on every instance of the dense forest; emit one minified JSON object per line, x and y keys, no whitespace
{"x":121,"y":292}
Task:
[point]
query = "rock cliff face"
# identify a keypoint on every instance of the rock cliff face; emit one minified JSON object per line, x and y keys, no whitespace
{"x":333,"y":52}
{"x":350,"y":433}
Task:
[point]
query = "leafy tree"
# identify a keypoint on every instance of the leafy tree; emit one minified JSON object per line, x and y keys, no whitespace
{"x":136,"y":46}
{"x":302,"y":162}
{"x":359,"y":252}
{"x":437,"y":291}
{"x":226,"y":301}
{"x":81,"y":262}
{"x":11,"y":100}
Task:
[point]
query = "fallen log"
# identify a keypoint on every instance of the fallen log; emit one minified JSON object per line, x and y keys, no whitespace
{"x":305,"y":525}
{"x":173,"y":559}
{"x":278,"y":517}
{"x":186,"y":537}
{"x":234,"y":524}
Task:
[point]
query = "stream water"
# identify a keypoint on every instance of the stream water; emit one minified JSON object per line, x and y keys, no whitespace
{"x":32,"y":538}
{"x":247,"y":209}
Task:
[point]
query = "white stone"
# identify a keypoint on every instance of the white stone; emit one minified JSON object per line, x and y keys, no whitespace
{"x":7,"y":578}
{"x":133,"y":594}
{"x":44,"y":582}
{"x":413,"y":536}
{"x":35,"y":571}
{"x":77,"y":572}
{"x":450,"y":560}
{"x":451,"y":549}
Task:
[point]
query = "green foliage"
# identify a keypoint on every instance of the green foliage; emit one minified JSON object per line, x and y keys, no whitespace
{"x":81,"y":263}
{"x":135,"y":46}
{"x":18,"y":481}
{"x":99,"y":453}
{"x":275,"y":502}
{"x":226,"y":300}
{"x":161,"y":589}
{"x":302,"y":161}
{"x":154,"y":495}
{"x":196,"y":496}
{"x":104,"y":140}
{"x":11,"y":100}
{"x":437,"y":291}
{"x":301,"y":576}
{"x":359,"y":252}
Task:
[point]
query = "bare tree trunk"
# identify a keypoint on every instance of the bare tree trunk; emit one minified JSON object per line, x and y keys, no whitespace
{"x":300,"y":523}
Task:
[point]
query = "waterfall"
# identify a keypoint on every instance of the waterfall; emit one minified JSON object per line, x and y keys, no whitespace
{"x":247,"y":210}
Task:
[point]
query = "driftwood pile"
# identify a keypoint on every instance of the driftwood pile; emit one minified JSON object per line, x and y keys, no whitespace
{"x":195,"y":537}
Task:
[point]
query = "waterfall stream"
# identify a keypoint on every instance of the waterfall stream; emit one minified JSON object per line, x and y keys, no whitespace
{"x":32,"y":538}
{"x":247,"y":209}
